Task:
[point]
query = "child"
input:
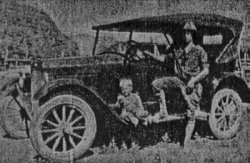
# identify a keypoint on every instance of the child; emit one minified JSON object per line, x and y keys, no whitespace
{"x":130,"y":103}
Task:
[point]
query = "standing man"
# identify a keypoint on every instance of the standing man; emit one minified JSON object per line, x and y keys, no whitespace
{"x":191,"y":66}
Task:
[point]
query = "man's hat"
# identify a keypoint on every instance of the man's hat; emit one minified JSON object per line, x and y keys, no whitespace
{"x":189,"y":26}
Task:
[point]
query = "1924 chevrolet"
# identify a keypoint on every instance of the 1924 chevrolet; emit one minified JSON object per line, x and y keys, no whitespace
{"x":58,"y":103}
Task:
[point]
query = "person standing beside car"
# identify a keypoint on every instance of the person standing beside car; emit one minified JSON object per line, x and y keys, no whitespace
{"x":191,"y":66}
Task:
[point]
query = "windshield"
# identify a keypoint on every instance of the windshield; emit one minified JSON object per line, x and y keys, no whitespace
{"x":112,"y":41}
{"x":150,"y":38}
{"x":118,"y":41}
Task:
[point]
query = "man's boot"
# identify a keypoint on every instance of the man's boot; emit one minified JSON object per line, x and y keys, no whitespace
{"x":188,"y":132}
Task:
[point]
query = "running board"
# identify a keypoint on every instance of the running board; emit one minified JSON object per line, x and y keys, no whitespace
{"x":200,"y":115}
{"x":171,"y":118}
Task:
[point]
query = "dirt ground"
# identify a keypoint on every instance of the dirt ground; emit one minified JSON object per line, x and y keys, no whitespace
{"x":13,"y":151}
{"x":203,"y":149}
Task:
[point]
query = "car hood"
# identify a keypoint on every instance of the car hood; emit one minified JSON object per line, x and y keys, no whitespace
{"x":80,"y":61}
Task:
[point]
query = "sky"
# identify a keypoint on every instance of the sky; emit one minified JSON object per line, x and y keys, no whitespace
{"x":78,"y":16}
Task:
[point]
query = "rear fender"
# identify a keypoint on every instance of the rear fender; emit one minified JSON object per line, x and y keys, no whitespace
{"x":9,"y":87}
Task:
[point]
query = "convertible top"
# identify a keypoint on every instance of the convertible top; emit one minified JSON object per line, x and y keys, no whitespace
{"x":210,"y":24}
{"x":172,"y":22}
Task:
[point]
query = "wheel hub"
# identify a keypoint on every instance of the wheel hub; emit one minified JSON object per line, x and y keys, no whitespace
{"x":65,"y":128}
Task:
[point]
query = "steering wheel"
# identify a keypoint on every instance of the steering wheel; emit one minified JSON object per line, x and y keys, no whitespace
{"x":131,"y":52}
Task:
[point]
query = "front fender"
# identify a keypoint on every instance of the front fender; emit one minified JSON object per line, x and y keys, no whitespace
{"x":60,"y":84}
{"x":66,"y":83}
{"x":237,"y":83}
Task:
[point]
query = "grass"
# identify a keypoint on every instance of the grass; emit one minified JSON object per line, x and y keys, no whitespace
{"x":203,"y":149}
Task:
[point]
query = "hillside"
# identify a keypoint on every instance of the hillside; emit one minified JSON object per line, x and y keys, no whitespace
{"x":78,"y":16}
{"x":26,"y":31}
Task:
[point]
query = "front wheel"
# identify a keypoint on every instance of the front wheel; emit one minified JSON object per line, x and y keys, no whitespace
{"x":64,"y":128}
{"x":226,"y":113}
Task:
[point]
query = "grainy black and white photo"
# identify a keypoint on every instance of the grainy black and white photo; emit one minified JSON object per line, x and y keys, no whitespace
{"x":130,"y":81}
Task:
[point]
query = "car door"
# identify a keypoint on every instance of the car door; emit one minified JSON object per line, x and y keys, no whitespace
{"x":144,"y":72}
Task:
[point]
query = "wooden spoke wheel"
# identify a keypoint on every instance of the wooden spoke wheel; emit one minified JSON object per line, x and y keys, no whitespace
{"x":64,"y":129}
{"x":14,"y":119}
{"x":226,"y":113}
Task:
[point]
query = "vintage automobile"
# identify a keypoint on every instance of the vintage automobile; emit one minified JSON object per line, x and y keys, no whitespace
{"x":59,"y":103}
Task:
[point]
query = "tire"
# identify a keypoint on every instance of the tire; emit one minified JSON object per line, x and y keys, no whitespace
{"x":13,"y":120}
{"x":226,"y":113}
{"x":64,"y":128}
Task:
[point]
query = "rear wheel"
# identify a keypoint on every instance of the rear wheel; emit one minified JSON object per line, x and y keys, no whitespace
{"x":14,"y":119}
{"x":226,"y":113}
{"x":64,"y":128}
